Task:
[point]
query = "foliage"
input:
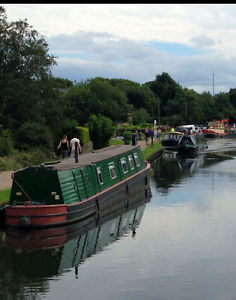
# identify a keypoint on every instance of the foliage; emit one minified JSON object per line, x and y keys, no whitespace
{"x":127,"y":135}
{"x":83,"y":134}
{"x":6,"y":142}
{"x":101,"y":130}
{"x":26,"y":91}
{"x":21,"y":159}
{"x":33,"y":134}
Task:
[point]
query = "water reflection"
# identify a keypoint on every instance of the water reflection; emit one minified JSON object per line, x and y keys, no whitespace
{"x":29,"y":258}
{"x":171,"y":170}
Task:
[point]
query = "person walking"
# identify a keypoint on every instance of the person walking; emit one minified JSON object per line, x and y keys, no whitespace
{"x":64,"y":146}
{"x":146,"y":134}
{"x":72,"y":144}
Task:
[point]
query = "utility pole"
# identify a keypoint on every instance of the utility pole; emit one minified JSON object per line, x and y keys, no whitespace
{"x":159,"y":119}
{"x":213,"y":83}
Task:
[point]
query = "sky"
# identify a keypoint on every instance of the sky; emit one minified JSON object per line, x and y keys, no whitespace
{"x":194,"y":43}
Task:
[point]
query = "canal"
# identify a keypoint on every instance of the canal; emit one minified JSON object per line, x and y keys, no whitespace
{"x":178,"y":245}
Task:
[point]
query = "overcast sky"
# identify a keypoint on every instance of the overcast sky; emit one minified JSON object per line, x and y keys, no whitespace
{"x":190,"y":42}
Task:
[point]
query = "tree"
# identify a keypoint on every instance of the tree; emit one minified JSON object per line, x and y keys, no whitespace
{"x":25,"y":71}
{"x":100,"y":130}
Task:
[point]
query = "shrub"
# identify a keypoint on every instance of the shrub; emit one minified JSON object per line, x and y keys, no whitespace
{"x":33,"y":134}
{"x":101,"y":130}
{"x":83,"y":133}
{"x":6,"y":143}
{"x":127,"y":135}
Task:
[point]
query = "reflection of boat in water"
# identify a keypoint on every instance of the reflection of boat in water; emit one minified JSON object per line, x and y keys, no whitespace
{"x":62,"y":192}
{"x":190,"y":165}
{"x":171,"y":169}
{"x":67,"y":246}
{"x":170,"y":140}
{"x":192,"y":144}
{"x":185,"y":164}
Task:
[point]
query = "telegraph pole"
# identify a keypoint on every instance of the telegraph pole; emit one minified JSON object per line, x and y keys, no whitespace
{"x":213,"y":83}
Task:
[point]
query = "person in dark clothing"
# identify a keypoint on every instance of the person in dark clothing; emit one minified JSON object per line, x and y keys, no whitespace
{"x":64,"y":146}
{"x":146,"y":134}
{"x":150,"y":132}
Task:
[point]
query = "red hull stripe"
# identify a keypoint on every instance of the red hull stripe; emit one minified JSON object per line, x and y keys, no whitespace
{"x":35,"y":210}
{"x":38,"y":221}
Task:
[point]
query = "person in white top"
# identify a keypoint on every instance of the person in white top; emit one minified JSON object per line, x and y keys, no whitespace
{"x":72,"y":144}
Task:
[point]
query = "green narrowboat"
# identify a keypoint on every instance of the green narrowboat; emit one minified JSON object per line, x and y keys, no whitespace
{"x":191,"y":144}
{"x":66,"y":191}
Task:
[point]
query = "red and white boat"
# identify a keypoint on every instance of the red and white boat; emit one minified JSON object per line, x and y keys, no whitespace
{"x":216,"y":129}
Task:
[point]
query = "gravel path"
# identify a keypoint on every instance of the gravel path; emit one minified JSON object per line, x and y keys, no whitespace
{"x":5,"y":180}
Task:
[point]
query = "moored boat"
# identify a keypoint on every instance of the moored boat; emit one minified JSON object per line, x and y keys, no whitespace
{"x":170,"y":140}
{"x":191,"y":144}
{"x":216,"y":129}
{"x":62,"y":192}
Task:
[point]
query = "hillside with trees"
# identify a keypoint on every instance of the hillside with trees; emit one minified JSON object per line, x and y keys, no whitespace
{"x":36,"y":109}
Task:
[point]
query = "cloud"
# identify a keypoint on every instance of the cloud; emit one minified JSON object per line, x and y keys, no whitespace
{"x":202,"y":41}
{"x":139,"y":41}
{"x":84,"y":55}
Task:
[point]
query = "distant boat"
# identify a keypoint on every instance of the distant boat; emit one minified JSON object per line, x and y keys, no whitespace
{"x":170,"y":140}
{"x":62,"y":192}
{"x":191,"y":144}
{"x":215,"y":129}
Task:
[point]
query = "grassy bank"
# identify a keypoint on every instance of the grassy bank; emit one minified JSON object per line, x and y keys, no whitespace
{"x":147,"y":152}
{"x":20,"y":159}
{"x":4,"y":196}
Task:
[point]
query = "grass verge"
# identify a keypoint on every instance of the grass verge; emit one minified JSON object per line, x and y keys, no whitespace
{"x":4,"y":196}
{"x":156,"y":146}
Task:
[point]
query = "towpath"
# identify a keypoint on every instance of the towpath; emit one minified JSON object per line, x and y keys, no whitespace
{"x":5,"y":180}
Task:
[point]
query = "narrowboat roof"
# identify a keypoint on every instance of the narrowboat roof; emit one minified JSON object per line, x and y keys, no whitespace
{"x":89,"y":158}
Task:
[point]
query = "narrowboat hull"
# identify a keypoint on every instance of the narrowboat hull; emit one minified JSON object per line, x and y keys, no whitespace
{"x":117,"y":196}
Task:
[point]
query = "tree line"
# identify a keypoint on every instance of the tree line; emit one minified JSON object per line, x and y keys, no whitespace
{"x":36,"y":109}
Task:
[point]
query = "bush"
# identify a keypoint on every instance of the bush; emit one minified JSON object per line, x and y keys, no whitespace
{"x":83,"y":133}
{"x":6,"y":143}
{"x":127,"y":135}
{"x":33,"y":134}
{"x":101,"y":130}
{"x":21,"y":159}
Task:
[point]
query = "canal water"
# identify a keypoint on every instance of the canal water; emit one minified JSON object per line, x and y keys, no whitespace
{"x":181,"y":244}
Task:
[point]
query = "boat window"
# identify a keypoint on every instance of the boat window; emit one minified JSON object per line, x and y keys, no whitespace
{"x":131,"y":162}
{"x":99,"y":173}
{"x":112,"y":170}
{"x":136,"y":159}
{"x":124,"y":165}
{"x":166,"y":136}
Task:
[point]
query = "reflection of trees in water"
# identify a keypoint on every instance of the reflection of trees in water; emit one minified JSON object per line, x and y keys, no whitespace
{"x":170,"y":170}
{"x":166,"y":173}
